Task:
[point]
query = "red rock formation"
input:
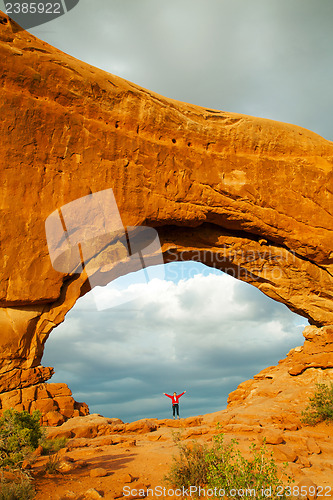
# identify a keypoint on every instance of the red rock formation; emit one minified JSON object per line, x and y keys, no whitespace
{"x":289,"y":384}
{"x":247,"y":195}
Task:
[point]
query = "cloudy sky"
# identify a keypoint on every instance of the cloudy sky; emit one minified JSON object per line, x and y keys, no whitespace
{"x":193,"y":329}
{"x":203,"y":334}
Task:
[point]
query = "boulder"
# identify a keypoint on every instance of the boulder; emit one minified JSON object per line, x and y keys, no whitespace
{"x":272,"y":436}
{"x":92,"y":494}
{"x":308,"y":489}
{"x":88,"y":426}
{"x":142,"y":426}
{"x":312,"y":446}
{"x":192,"y":421}
{"x":284,"y":453}
{"x":53,"y":418}
{"x":68,"y":495}
{"x":98,"y":472}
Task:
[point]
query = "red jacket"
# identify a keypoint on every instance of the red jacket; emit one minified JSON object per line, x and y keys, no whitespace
{"x":175,"y":399}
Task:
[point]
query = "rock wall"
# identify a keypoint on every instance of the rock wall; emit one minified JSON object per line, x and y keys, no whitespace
{"x":250,"y":196}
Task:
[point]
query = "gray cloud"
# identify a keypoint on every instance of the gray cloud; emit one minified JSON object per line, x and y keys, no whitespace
{"x":271,"y":59}
{"x":205,"y":335}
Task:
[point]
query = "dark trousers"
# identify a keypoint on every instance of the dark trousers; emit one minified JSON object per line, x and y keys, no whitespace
{"x":175,"y":408}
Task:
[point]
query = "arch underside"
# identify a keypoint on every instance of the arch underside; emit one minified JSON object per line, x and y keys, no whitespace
{"x":276,"y":271}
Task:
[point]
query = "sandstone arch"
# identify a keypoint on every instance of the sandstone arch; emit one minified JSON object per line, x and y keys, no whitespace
{"x":246,"y":194}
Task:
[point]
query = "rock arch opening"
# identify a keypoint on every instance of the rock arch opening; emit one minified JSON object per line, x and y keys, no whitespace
{"x":258,"y":200}
{"x":197,"y":329}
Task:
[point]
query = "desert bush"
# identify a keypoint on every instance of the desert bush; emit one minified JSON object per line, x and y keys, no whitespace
{"x":230,"y":470}
{"x":320,"y":407}
{"x":52,"y":465}
{"x":191,"y":467}
{"x":21,"y":489}
{"x":224,"y":467}
{"x":52,"y":445}
{"x":19,"y":435}
{"x":51,"y":448}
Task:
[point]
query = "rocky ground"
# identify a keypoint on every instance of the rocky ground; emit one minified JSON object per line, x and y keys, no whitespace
{"x":61,"y":140}
{"x":103,"y":455}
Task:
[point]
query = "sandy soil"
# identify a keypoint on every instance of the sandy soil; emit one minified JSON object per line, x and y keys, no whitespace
{"x":141,"y":459}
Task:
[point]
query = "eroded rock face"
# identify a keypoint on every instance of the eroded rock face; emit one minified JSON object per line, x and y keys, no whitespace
{"x":250,"y":196}
{"x":280,"y":393}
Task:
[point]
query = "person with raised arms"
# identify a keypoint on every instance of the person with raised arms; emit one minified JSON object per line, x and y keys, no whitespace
{"x":175,"y":403}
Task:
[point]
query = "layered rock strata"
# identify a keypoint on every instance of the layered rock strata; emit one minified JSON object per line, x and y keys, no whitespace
{"x":250,"y":196}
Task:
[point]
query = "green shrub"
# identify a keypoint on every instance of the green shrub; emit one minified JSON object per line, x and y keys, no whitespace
{"x":191,"y":468}
{"x":19,"y":435}
{"x":320,"y":407}
{"x":224,"y":468}
{"x":230,"y":470}
{"x":53,"y":445}
{"x":17,"y":490}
